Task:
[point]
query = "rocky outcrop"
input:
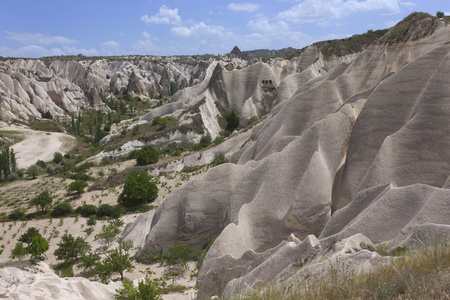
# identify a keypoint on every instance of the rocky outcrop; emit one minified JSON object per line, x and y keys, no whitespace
{"x":29,"y":87}
{"x":40,"y":282}
{"x":344,"y":153}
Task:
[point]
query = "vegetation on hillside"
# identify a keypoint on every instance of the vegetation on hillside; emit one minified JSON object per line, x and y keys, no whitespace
{"x":421,"y":273}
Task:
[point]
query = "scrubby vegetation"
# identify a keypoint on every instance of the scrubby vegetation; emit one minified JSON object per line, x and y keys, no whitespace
{"x":421,"y":273}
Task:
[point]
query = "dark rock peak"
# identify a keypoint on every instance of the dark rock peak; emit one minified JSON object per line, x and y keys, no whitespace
{"x":236,"y":50}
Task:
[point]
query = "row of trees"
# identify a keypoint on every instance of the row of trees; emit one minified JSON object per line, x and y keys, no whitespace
{"x":8,"y":164}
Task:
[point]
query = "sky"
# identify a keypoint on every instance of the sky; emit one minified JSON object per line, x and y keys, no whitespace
{"x":37,"y":28}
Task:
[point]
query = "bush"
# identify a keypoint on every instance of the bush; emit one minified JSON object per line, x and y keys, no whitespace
{"x":218,"y":140}
{"x":146,"y":155}
{"x":105,"y":210}
{"x":110,"y":231}
{"x":42,"y":201}
{"x":39,"y":245}
{"x":33,"y":171}
{"x":117,"y":211}
{"x":28,"y":235}
{"x":91,"y":221}
{"x":86,"y":210}
{"x":12,"y":176}
{"x":138,"y":190}
{"x":71,"y":248}
{"x":218,"y":160}
{"x":146,"y":289}
{"x":232,"y":118}
{"x":77,"y":186}
{"x":17,"y":214}
{"x":57,"y":157}
{"x":41,"y":164}
{"x":61,"y":210}
{"x":19,"y":251}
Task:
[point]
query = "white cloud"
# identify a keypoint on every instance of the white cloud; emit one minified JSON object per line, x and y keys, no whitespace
{"x":38,"y":38}
{"x":408,"y":4}
{"x":35,"y":51}
{"x":145,"y":35}
{"x":111,"y":45}
{"x":249,"y":7}
{"x":316,"y":10}
{"x":200,"y":30}
{"x":263,"y":25}
{"x":165,"y":15}
{"x":144,"y":45}
{"x":110,"y":48}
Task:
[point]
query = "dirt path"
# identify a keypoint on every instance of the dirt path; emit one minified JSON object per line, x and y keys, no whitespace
{"x":39,"y":145}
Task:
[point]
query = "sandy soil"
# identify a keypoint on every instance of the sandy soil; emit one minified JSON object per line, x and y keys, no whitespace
{"x":19,"y":193}
{"x":39,"y":145}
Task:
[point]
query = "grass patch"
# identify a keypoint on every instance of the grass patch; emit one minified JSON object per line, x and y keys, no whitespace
{"x":417,"y":274}
{"x":173,"y":289}
{"x":64,"y":269}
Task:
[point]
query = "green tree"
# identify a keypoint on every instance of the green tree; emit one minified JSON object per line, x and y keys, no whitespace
{"x":173,"y":87}
{"x":42,"y":201}
{"x":19,"y":251}
{"x":77,"y":186}
{"x":88,"y":263}
{"x":33,"y":171}
{"x":146,"y":290}
{"x":440,"y":14}
{"x":138,"y":190}
{"x":70,"y":249}
{"x":39,"y":245}
{"x":118,"y":260}
{"x":8,"y":163}
{"x":110,"y":231}
{"x":232,"y":118}
{"x":57,"y":157}
{"x":28,"y":235}
{"x":147,"y":155}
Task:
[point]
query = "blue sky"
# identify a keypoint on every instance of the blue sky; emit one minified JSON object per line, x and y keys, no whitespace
{"x":36,"y":28}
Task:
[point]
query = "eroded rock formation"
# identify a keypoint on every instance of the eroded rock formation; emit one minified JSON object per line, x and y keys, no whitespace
{"x":367,"y":141}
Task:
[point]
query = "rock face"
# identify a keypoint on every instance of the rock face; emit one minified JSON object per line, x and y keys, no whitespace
{"x":41,"y":282}
{"x":360,"y":148}
{"x":28,"y":86}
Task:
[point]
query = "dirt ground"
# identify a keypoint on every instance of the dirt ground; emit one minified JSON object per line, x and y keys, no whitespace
{"x":39,"y":145}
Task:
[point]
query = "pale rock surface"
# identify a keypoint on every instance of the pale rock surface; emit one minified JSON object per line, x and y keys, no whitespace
{"x":341,"y":138}
{"x":41,"y":282}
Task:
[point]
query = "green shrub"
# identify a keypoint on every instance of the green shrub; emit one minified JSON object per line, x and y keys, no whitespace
{"x":17,"y":214}
{"x":64,"y":269}
{"x":33,"y":171}
{"x":138,"y":190}
{"x":218,"y":160}
{"x":232,"y":119}
{"x":42,"y":201}
{"x":104,"y":210}
{"x":91,"y":221}
{"x":86,"y":210}
{"x":218,"y":140}
{"x":57,"y":157}
{"x":71,"y":248}
{"x":77,"y":186}
{"x":41,"y":164}
{"x":146,"y":155}
{"x":61,"y":210}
